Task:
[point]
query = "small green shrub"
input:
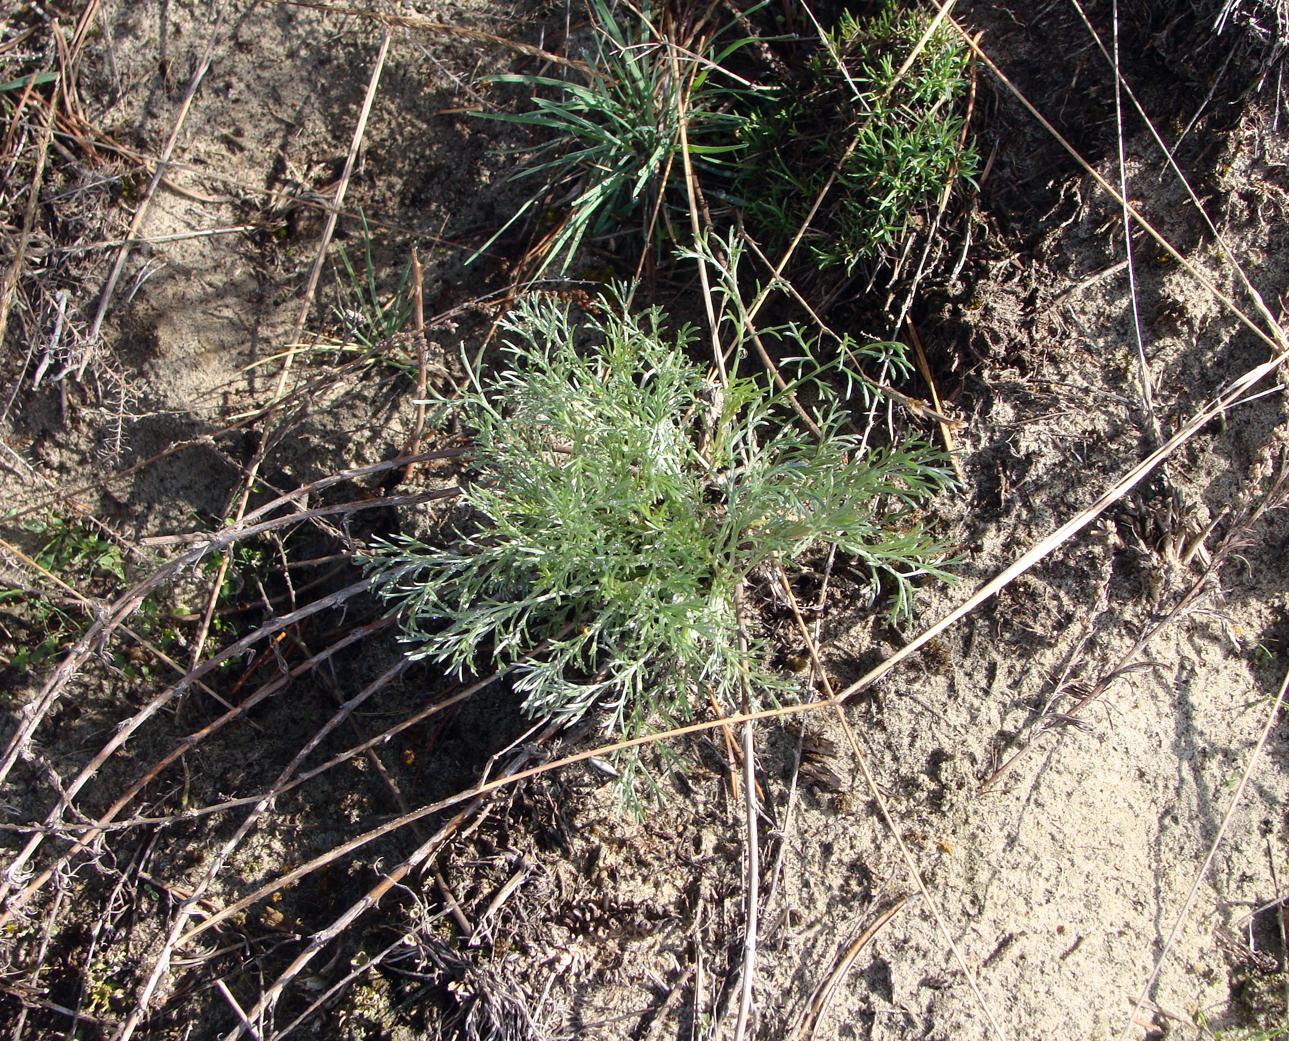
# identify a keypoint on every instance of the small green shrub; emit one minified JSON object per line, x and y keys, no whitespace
{"x":613,"y":140}
{"x":903,"y":134}
{"x":618,"y":499}
{"x":35,"y":627}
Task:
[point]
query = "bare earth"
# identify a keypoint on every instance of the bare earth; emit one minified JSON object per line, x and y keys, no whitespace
{"x":1060,"y":881}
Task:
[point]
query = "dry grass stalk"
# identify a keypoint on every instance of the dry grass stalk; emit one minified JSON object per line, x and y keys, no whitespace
{"x":826,"y":989}
{"x":243,"y":496}
{"x":12,"y":275}
{"x":1237,"y":538}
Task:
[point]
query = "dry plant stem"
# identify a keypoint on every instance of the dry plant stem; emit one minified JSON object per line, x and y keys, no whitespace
{"x":1120,"y":668}
{"x":773,"y":369}
{"x":945,"y":7}
{"x":227,"y":995}
{"x":924,"y":367}
{"x":190,"y":906}
{"x":126,"y":729}
{"x":918,"y":409}
{"x":1062,"y":684}
{"x":650,"y":227}
{"x":101,"y":825}
{"x":752,"y":884}
{"x":764,"y":295}
{"x":454,"y":905}
{"x":311,"y":289}
{"x":114,"y":616}
{"x":1274,"y":338}
{"x":785,"y":828}
{"x":322,"y":938}
{"x":114,"y":276}
{"x":1189,"y":903}
{"x":161,"y":240}
{"x":308,"y":775}
{"x":1228,"y":254}
{"x":322,"y":1000}
{"x":12,"y":275}
{"x":36,"y":1001}
{"x":731,"y":750}
{"x":1143,"y":366}
{"x":1050,"y":543}
{"x":827,"y":988}
{"x":691,"y":189}
{"x":12,"y":132}
{"x":418,"y":313}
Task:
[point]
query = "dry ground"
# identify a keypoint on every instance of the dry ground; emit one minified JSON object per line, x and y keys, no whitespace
{"x":1134,"y":667}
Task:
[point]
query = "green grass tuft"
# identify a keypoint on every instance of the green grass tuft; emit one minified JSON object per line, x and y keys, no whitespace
{"x":612,"y":140}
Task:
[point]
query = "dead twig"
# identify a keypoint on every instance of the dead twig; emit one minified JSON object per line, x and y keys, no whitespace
{"x":823,"y":993}
{"x":104,"y":822}
{"x":227,"y":995}
{"x":752,"y":883}
{"x":189,"y":907}
{"x":127,"y":728}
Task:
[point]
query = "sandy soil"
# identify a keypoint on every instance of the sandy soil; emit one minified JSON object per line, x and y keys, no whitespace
{"x":1055,"y":888}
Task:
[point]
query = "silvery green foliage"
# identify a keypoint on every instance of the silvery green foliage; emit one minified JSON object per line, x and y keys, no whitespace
{"x":618,"y":498}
